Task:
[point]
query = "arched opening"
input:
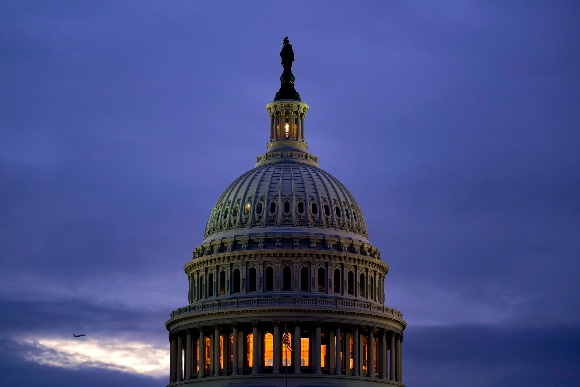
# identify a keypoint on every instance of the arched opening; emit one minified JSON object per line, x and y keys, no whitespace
{"x":268,"y":350}
{"x":304,"y":279}
{"x":286,"y":349}
{"x":269,"y":279}
{"x":321,"y":279}
{"x":249,"y":350}
{"x":336,"y":283}
{"x":350,"y":283}
{"x":210,"y":285}
{"x":252,"y":280}
{"x":361,"y":292}
{"x":287,"y":278}
{"x":237,"y":281}
{"x":222,"y":282}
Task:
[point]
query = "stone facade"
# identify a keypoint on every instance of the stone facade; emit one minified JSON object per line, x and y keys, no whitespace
{"x":286,"y":286}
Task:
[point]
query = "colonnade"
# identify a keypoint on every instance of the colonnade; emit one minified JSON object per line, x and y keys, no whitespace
{"x":278,"y":347}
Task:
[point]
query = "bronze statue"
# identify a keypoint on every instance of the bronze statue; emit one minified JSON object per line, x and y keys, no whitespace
{"x":287,"y":55}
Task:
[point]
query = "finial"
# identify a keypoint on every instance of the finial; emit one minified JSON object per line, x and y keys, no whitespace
{"x":287,"y":90}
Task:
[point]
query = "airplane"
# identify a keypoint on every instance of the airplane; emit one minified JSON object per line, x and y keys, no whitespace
{"x":81,"y":335}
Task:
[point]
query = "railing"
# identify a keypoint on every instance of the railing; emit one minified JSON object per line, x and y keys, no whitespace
{"x":288,"y":301}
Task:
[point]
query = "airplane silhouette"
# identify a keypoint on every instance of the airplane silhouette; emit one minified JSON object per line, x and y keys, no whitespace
{"x":81,"y":335}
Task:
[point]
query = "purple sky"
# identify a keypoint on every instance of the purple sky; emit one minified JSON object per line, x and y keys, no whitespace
{"x":454,"y":124}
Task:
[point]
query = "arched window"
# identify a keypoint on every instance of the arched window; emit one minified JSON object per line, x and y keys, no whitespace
{"x":287,"y":278}
{"x":250,"y":350}
{"x":350,"y":284}
{"x":321,"y":279}
{"x":286,"y":353}
{"x":268,"y":350}
{"x":336,"y":283}
{"x":361,"y":292}
{"x":304,"y":279}
{"x":210,"y":285}
{"x":269,"y":279}
{"x":222,"y":282}
{"x":252,"y":280}
{"x":236,"y":280}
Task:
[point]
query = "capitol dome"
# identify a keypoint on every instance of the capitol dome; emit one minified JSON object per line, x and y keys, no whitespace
{"x":285,"y":283}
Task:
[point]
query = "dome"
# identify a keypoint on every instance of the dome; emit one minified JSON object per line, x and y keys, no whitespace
{"x":285,"y":196}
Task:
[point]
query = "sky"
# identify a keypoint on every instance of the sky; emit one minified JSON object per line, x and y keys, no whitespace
{"x":455,"y":125}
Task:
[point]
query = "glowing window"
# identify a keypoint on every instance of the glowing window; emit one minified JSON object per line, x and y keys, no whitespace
{"x":247,"y":208}
{"x":231,"y":351}
{"x":323,"y":356}
{"x":351,"y":350}
{"x":304,"y":351}
{"x":250,"y":350}
{"x":268,"y":350}
{"x":207,"y":354}
{"x":286,"y":353}
{"x":221,"y":352}
{"x":365,"y":354}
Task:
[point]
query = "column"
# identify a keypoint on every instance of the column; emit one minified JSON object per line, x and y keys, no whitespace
{"x":226,"y":350}
{"x":356,"y":352}
{"x":338,"y":347}
{"x":302,"y":126}
{"x":291,"y":123}
{"x":188,"y":357}
{"x":201,"y":359}
{"x":172,"y":356}
{"x":216,"y":350}
{"x":392,"y":350}
{"x":400,"y":358}
{"x":316,"y":351}
{"x":296,"y":348}
{"x":346,"y":355}
{"x":383,"y":357}
{"x":371,"y":355}
{"x":179,"y":358}
{"x":256,"y":356}
{"x":277,"y":348}
{"x":272,"y":127}
{"x":235,"y":348}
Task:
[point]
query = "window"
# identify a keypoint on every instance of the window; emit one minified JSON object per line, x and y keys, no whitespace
{"x":250,"y":350}
{"x":207,"y":354}
{"x":304,"y":351}
{"x":199,"y":287}
{"x":222,"y":282}
{"x":314,"y":208}
{"x":252,"y":280}
{"x":361,"y":292}
{"x":286,"y":353}
{"x":336,"y":211}
{"x":268,"y":350}
{"x":210,"y":285}
{"x":323,"y":356}
{"x":287,"y":278}
{"x":259,"y":208}
{"x":235,"y":211}
{"x":231,"y":351}
{"x":236,"y":280}
{"x":247,"y":208}
{"x":365,"y":354}
{"x":326,"y":210}
{"x":372,"y":285}
{"x":350,"y":285}
{"x":347,"y":214}
{"x":286,"y":207}
{"x":300,"y":207}
{"x":321,"y":279}
{"x":351,"y":346}
{"x":272,"y":207}
{"x":304,"y":279}
{"x":222,"y":352}
{"x":336,"y":281}
{"x":269,"y":279}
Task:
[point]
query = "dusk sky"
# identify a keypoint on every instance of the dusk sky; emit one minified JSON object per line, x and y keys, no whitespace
{"x":455,"y":125}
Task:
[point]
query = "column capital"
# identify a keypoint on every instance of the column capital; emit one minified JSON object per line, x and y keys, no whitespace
{"x":297,"y":323}
{"x":255,"y":323}
{"x":234,"y":324}
{"x":276,"y":323}
{"x":318,"y":324}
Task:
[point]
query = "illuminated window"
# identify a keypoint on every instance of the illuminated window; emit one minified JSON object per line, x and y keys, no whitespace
{"x":287,"y":278}
{"x":207,"y":354}
{"x":231,"y":351}
{"x":286,"y":353}
{"x":197,"y":355}
{"x":304,"y":351}
{"x":336,"y":280}
{"x":250,"y":350}
{"x":323,"y":356}
{"x":268,"y":350}
{"x":221,"y":352}
{"x":321,"y":279}
{"x":247,"y":208}
{"x":365,"y":354}
{"x":351,"y":350}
